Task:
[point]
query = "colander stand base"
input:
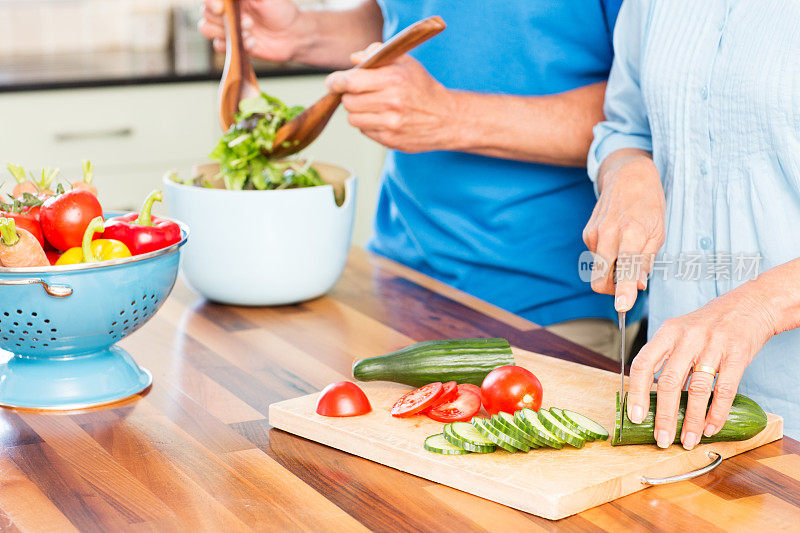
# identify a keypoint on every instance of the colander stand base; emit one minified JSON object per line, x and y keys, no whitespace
{"x":67,"y":383}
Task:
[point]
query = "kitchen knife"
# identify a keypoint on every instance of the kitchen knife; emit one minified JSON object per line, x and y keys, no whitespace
{"x":621,"y":357}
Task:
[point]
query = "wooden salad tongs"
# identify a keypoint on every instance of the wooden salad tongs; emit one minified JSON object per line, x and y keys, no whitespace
{"x":238,"y":78}
{"x":305,"y":127}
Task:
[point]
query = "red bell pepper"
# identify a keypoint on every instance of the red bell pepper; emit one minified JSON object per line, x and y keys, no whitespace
{"x":142,"y":232}
{"x":25,"y":213}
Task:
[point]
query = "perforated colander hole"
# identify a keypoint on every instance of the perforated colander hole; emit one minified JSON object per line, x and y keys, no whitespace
{"x":34,"y":314}
{"x":30,"y":324}
{"x":114,"y":323}
{"x":52,"y":338}
{"x":125,"y":322}
{"x":45,"y":345}
{"x":19,"y":311}
{"x":16,"y":323}
{"x":46,"y":320}
{"x":6,"y":314}
{"x":133,"y":302}
{"x":39,"y":331}
{"x":11,"y":331}
{"x":54,"y":330}
{"x":122,"y":312}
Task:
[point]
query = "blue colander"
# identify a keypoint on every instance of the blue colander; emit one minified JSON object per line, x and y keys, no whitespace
{"x":61,"y":324}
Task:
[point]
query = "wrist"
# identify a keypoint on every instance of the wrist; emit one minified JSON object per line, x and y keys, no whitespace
{"x":462,"y":124}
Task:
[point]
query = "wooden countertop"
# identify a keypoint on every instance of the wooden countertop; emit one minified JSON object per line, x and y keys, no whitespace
{"x":197,"y":453}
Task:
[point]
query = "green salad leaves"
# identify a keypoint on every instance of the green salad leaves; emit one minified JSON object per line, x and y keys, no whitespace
{"x":241,"y":150}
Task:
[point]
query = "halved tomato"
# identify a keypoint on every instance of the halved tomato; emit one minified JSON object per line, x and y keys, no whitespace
{"x":462,"y":408}
{"x":417,"y":400}
{"x":342,"y":399}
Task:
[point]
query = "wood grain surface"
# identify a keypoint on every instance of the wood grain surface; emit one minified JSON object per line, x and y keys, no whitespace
{"x":197,"y":452}
{"x":546,"y":482}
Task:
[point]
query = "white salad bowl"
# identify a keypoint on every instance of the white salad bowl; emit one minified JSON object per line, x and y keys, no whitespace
{"x":260,"y":248}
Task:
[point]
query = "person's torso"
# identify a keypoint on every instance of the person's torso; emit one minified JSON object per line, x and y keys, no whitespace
{"x":506,"y":231}
{"x":721,"y":83}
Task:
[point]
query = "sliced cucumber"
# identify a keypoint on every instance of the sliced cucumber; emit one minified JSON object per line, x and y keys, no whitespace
{"x":494,"y":427}
{"x":438,"y":444}
{"x":530,"y":421}
{"x":560,"y":430}
{"x":559,"y":414}
{"x":483,"y":426}
{"x":509,"y":425}
{"x":588,"y":425}
{"x":467,"y":436}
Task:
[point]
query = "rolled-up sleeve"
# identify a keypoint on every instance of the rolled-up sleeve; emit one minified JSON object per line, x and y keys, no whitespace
{"x":626,"y":124}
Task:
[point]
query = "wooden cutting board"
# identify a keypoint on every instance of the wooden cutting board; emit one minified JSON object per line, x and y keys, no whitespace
{"x":545,"y":482}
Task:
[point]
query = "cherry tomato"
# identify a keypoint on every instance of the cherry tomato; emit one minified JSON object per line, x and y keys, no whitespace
{"x":511,"y":388}
{"x":465,"y":405}
{"x":417,"y":400}
{"x":64,"y":218}
{"x":342,"y":399}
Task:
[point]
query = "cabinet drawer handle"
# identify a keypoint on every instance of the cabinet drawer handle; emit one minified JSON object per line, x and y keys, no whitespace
{"x":67,"y":136}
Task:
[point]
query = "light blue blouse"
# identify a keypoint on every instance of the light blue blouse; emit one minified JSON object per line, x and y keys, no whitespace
{"x":712,"y":89}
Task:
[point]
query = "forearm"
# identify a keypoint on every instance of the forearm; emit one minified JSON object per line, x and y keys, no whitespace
{"x":775,"y":294}
{"x":554,"y":129}
{"x":330,"y":36}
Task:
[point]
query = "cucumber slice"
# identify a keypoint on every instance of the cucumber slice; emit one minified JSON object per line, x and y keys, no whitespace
{"x":483,"y":426}
{"x":493,"y":426}
{"x":466,"y":436}
{"x":589,"y":426}
{"x":438,"y":444}
{"x":560,"y":430}
{"x":530,"y":421}
{"x":508,"y":425}
{"x":559,"y":414}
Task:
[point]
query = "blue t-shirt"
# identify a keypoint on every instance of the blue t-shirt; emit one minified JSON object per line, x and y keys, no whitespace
{"x":505,"y":231}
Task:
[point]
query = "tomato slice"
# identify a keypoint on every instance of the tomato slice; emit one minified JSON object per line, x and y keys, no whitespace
{"x":417,"y":400}
{"x":470,"y":387}
{"x":463,"y":408}
{"x":342,"y":399}
{"x":449,"y":392}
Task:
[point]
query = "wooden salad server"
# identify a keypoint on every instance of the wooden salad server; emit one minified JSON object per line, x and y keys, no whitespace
{"x":305,"y":127}
{"x":238,"y":78}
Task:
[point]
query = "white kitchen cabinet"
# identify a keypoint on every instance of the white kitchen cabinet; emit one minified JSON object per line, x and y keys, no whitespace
{"x":134,"y":134}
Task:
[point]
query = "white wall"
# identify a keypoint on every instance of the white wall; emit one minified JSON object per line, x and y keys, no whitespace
{"x":135,"y":134}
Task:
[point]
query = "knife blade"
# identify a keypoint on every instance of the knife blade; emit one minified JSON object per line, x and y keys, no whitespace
{"x":621,"y":356}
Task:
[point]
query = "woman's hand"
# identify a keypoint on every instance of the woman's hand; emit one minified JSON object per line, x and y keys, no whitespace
{"x":401,"y":105}
{"x":270,"y":28}
{"x":724,"y":335}
{"x":626,"y":228}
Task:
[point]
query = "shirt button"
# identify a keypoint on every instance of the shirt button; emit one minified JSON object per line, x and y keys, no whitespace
{"x":704,"y":92}
{"x":703,"y":168}
{"x":705,"y":243}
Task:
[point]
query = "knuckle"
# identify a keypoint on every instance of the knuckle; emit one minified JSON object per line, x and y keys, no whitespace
{"x":725,"y":391}
{"x":693,"y":420}
{"x":669,"y":382}
{"x":394,"y":122}
{"x":699,"y":387}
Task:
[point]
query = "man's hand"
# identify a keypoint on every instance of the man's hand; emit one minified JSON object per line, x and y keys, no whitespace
{"x":271,"y":29}
{"x":627,"y":223}
{"x":276,"y":30}
{"x":401,"y":105}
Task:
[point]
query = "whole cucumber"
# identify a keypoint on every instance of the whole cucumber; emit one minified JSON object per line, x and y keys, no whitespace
{"x":459,"y":360}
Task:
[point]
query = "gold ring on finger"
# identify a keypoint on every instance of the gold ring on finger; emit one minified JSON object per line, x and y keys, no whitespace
{"x":705,"y":369}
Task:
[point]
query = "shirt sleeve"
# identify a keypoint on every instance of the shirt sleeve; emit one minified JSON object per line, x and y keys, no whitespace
{"x":626,"y":124}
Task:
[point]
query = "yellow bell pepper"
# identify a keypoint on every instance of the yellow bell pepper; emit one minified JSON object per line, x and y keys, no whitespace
{"x":93,"y":251}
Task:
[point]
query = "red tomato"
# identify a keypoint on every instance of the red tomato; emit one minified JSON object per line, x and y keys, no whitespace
{"x":511,"y":388}
{"x":462,"y":408}
{"x":417,"y":400}
{"x":64,"y":218}
{"x":342,"y":399}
